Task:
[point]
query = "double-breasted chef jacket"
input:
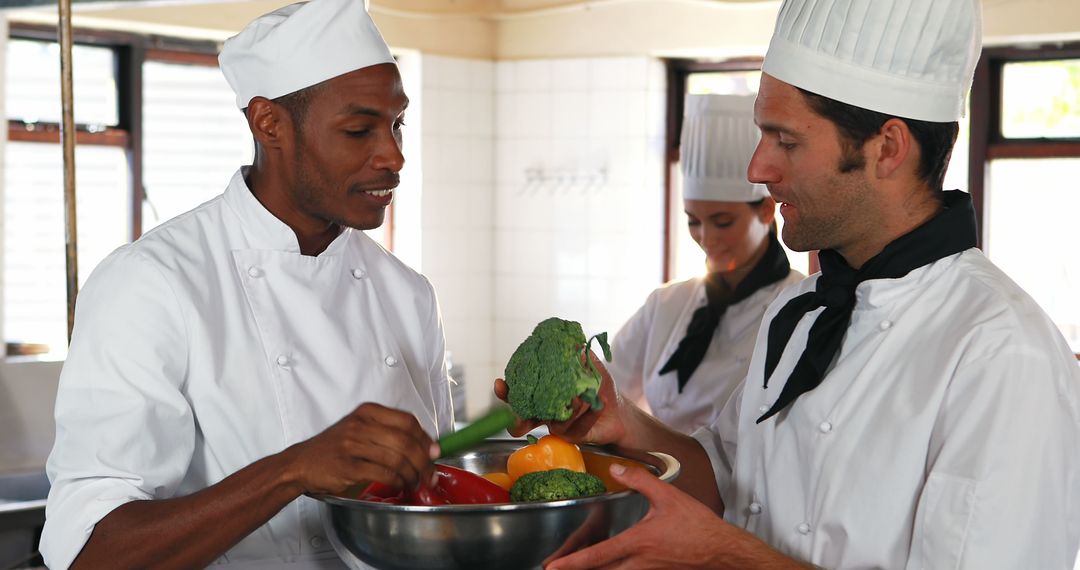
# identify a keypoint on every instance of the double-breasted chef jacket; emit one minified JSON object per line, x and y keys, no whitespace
{"x":648,"y":339}
{"x":211,"y":342}
{"x":946,"y":433}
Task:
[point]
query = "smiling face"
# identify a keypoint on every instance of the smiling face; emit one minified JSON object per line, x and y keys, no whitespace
{"x":344,"y":162}
{"x":825,"y":196}
{"x":730,"y":233}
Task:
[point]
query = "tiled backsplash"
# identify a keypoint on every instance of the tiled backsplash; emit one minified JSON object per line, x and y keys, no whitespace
{"x":578,"y":192}
{"x":542,"y":195}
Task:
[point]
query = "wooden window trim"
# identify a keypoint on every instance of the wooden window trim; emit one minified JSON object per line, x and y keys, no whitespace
{"x":986,"y":140}
{"x":19,"y":131}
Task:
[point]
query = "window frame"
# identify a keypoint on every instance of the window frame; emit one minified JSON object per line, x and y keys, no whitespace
{"x":130,"y":52}
{"x":987,"y":142}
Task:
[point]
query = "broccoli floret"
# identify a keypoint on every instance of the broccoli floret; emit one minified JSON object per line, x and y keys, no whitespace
{"x":546,"y":373}
{"x":555,"y":485}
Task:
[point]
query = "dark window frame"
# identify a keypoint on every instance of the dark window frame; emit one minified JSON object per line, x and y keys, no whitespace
{"x":130,"y":51}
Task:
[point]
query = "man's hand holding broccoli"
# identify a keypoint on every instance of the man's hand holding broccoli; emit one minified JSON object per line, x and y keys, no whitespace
{"x":547,"y":371}
{"x":553,"y":378}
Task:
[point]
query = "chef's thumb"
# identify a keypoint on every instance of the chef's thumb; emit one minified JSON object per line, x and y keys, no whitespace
{"x":641,"y":481}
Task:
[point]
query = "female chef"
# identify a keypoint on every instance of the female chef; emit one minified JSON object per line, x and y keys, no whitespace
{"x":683,"y":353}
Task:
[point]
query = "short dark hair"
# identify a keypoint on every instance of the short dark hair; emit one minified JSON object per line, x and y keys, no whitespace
{"x":297,"y":104}
{"x":857,"y":125}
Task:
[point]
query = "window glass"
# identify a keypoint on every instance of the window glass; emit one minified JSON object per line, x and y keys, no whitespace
{"x":1041,"y":99}
{"x":194,"y":138}
{"x":35,"y":290}
{"x":688,"y":258}
{"x":723,"y":82}
{"x":33,"y":83}
{"x":1033,"y":237}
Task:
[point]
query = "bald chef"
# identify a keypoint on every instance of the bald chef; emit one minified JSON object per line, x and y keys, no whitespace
{"x":218,"y":362}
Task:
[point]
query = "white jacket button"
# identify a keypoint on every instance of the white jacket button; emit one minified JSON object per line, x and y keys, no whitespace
{"x":283,"y":360}
{"x":255,"y":272}
{"x":803,"y":528}
{"x":885,"y":325}
{"x":390,"y":361}
{"x":755,"y":508}
{"x":825,"y":427}
{"x":317,"y":542}
{"x":359,"y":273}
{"x":763,"y":409}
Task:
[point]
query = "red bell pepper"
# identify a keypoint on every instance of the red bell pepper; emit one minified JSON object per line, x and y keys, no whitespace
{"x":453,"y":487}
{"x":461,"y":487}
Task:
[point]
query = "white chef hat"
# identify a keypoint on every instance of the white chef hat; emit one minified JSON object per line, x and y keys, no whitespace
{"x":300,"y":45}
{"x":908,"y":58}
{"x":718,"y":138}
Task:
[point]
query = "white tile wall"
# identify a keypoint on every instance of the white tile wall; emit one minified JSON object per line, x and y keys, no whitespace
{"x":542,"y":195}
{"x":457,"y":245}
{"x":584,"y":242}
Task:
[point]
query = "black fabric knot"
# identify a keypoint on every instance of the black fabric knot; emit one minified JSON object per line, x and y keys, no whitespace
{"x":772,"y":267}
{"x":835,"y":297}
{"x":949,"y":232}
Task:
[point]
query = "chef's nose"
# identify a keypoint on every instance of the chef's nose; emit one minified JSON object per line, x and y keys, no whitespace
{"x":388,"y":155}
{"x":762,"y":168}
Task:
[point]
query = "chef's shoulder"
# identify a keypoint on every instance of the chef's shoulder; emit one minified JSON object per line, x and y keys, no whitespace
{"x":385,"y":267}
{"x":999,"y":317}
{"x":676,"y":291}
{"x":191,"y":235}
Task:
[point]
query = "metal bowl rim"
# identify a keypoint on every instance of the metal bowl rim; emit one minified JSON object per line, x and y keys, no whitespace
{"x":671,"y":469}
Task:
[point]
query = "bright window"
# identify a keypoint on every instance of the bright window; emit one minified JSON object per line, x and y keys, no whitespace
{"x":35,"y":291}
{"x":1041,"y":99}
{"x":194,"y":138}
{"x":1032,"y":233}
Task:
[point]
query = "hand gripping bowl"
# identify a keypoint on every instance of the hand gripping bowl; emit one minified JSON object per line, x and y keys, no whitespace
{"x":478,"y":537}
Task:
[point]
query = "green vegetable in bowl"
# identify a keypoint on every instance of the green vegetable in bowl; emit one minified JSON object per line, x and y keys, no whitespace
{"x":547,"y":371}
{"x":555,"y":485}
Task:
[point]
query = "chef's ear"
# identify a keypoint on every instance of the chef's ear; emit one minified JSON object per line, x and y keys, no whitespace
{"x":270,"y":123}
{"x":895,"y":146}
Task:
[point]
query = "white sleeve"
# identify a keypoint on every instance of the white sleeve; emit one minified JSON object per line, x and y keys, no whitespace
{"x":719,"y":439}
{"x":1003,"y":484}
{"x":628,"y":352}
{"x":124,"y":431}
{"x":438,"y":375}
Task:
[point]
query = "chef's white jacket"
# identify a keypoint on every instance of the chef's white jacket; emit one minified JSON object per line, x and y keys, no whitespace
{"x":211,"y":342}
{"x":645,"y":343}
{"x":945,"y":435}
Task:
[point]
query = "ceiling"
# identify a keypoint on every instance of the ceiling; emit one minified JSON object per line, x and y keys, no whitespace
{"x":477,"y":8}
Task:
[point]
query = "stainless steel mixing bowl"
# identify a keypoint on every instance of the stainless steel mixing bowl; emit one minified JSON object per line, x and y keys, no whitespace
{"x":479,"y":537}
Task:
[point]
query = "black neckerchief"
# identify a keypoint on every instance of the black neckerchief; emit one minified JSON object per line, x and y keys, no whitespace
{"x":949,"y":232}
{"x":772,"y":267}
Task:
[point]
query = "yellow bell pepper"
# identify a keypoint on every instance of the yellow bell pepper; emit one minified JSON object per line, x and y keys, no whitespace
{"x":500,"y":479}
{"x":549,"y":452}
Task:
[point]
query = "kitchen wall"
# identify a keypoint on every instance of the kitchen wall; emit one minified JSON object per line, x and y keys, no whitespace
{"x":578,"y":192}
{"x":457,"y":159}
{"x":542,"y":196}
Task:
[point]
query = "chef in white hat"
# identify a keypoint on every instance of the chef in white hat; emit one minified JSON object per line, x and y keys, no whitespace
{"x":683,"y":353}
{"x":259,"y":347}
{"x":909,"y":406}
